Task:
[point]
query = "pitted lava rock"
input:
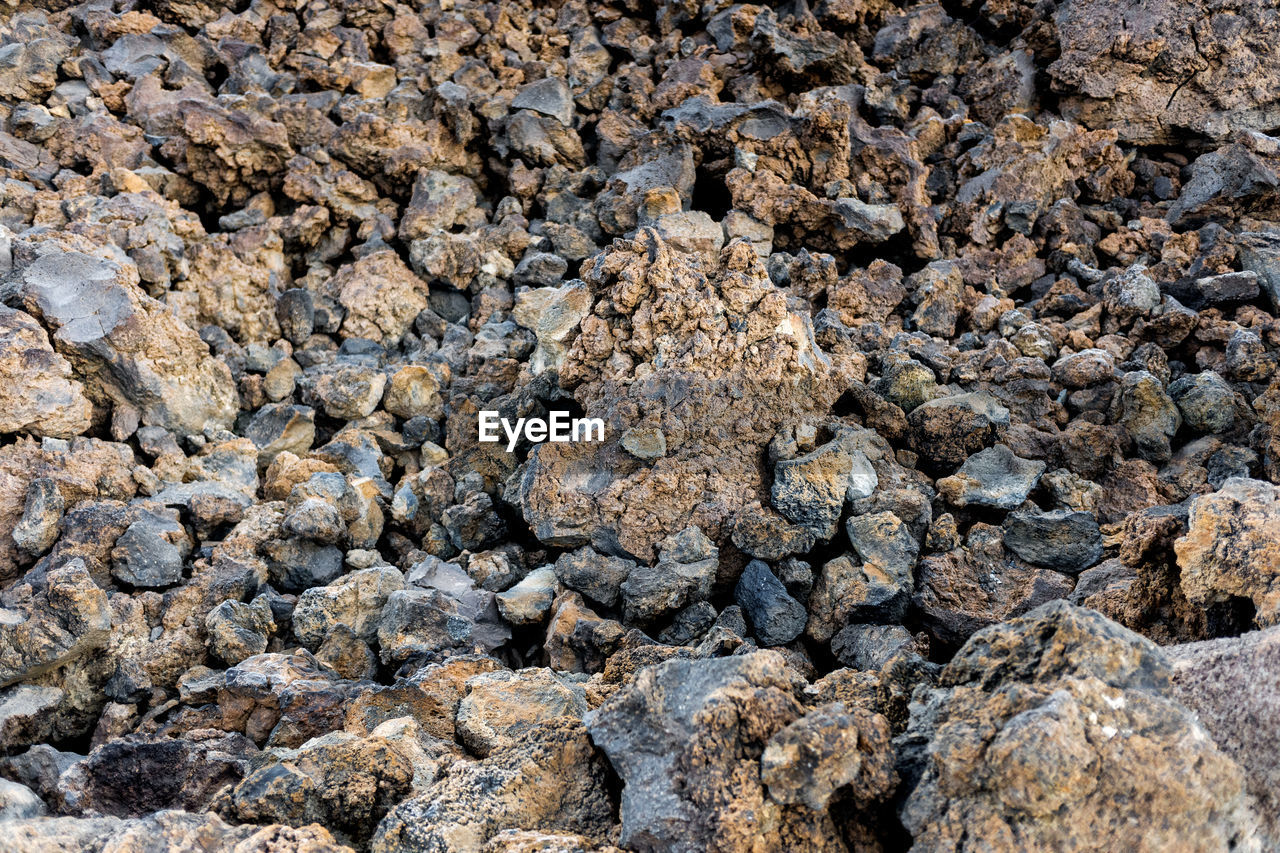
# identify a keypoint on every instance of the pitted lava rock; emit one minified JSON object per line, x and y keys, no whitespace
{"x":937,"y":352}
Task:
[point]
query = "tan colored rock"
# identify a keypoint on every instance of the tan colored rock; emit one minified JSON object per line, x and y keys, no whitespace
{"x":659,"y":324}
{"x":1065,"y":717}
{"x":413,"y":391}
{"x":37,"y":392}
{"x":127,"y":347}
{"x":1232,"y":548}
{"x":382,"y":297}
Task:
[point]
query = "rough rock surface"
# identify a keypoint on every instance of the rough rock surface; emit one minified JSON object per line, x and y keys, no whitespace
{"x":874,"y":331}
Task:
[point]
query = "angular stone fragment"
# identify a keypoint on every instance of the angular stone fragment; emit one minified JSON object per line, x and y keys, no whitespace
{"x":826,"y":749}
{"x":993,"y":477}
{"x":947,"y":430}
{"x":39,"y":394}
{"x":126,"y":347}
{"x":1061,"y":540}
{"x":776,"y":617}
{"x":686,"y":736}
{"x":1078,"y":729}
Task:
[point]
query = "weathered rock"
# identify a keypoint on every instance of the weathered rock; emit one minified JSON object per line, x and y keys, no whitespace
{"x":1193,"y":84}
{"x":356,"y":601}
{"x":551,"y":779}
{"x":947,"y":430}
{"x":1064,"y":541}
{"x":993,"y":477}
{"x":1230,"y":549}
{"x":683,"y":574}
{"x":52,"y":617}
{"x":42,"y":511}
{"x":1078,"y":731}
{"x":502,"y":706}
{"x":776,"y":617}
{"x":238,"y":630}
{"x":828,"y":748}
{"x":41,"y":397}
{"x":168,"y":830}
{"x":1230,"y":685}
{"x":686,"y":736}
{"x":126,"y":347}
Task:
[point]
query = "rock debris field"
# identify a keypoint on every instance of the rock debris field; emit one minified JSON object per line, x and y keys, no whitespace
{"x":936,"y":351}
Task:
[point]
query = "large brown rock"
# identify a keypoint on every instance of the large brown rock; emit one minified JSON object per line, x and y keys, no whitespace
{"x":684,"y":339}
{"x":1162,"y":72}
{"x":1232,"y":548}
{"x":126,"y":347}
{"x":1233,"y":685}
{"x":1066,"y":718}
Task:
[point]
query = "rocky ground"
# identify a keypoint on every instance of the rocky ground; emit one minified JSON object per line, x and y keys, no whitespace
{"x":937,"y":349}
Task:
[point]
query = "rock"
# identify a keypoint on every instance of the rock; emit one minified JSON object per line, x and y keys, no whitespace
{"x":577,"y":639}
{"x":412,"y":392}
{"x":1229,"y":550}
{"x":552,"y":778}
{"x":686,"y":737}
{"x":548,"y":96}
{"x":885,"y":544}
{"x":947,"y":430}
{"x":439,"y":202}
{"x":811,"y":489}
{"x":152,"y":551}
{"x":50,"y":401}
{"x":1149,"y":415}
{"x":1064,"y":541}
{"x":1229,"y":684}
{"x":346,"y":391}
{"x":41,"y":515}
{"x":683,"y":574}
{"x":356,"y":601}
{"x":1208,"y":404}
{"x":993,"y":477}
{"x":870,"y":646}
{"x":1084,"y":368}
{"x":1080,"y":730}
{"x":776,"y":617}
{"x":348,"y":655}
{"x":529,"y":601}
{"x":18,"y":802}
{"x":125,"y":346}
{"x":175,"y":830}
{"x":296,"y":565}
{"x":279,"y":428}
{"x":597,"y":576}
{"x":238,"y":630}
{"x":136,"y":775}
{"x":339,"y":780}
{"x":1108,"y":81}
{"x":553,"y":314}
{"x":1131,"y":294}
{"x":828,"y":748}
{"x":975,"y":586}
{"x":502,"y":706}
{"x":51,"y":618}
{"x":645,"y":442}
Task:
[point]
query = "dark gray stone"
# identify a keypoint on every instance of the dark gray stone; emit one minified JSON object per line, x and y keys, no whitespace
{"x":1062,"y":540}
{"x":776,"y":617}
{"x":866,"y":647}
{"x":595,"y":575}
{"x":993,"y":477}
{"x":151,"y":551}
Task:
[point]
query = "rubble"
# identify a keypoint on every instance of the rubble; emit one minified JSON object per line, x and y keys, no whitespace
{"x":910,"y":332}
